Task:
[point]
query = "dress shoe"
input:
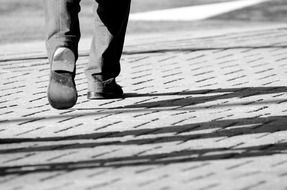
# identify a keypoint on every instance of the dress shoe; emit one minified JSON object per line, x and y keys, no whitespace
{"x":104,"y":89}
{"x":62,"y":92}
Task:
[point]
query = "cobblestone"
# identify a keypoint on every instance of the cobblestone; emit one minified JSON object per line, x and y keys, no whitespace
{"x":200,"y":113}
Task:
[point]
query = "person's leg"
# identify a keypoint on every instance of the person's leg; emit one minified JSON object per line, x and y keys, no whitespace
{"x":62,"y":25}
{"x":63,"y":34}
{"x":111,"y":18}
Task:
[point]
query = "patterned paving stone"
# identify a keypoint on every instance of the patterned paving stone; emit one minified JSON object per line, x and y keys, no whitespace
{"x":199,"y":113}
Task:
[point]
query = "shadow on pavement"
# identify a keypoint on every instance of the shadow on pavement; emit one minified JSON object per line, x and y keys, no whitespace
{"x":182,"y":156}
{"x":178,"y":134}
{"x":178,"y":103}
{"x":163,"y":134}
{"x":225,"y":128}
{"x":223,"y":94}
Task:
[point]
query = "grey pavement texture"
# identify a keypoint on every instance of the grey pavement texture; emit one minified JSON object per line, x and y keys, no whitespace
{"x":202,"y":111}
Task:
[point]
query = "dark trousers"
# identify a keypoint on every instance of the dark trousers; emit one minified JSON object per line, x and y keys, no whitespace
{"x":110,"y":22}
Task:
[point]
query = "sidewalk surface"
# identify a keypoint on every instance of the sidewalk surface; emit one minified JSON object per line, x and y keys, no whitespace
{"x":202,"y":111}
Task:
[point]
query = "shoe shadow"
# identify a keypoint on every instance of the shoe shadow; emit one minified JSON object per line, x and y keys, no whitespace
{"x":191,"y":97}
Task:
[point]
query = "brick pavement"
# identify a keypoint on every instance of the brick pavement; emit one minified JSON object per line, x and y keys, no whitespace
{"x":200,"y":113}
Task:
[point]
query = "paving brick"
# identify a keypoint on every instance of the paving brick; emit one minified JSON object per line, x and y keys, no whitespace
{"x":206,"y":112}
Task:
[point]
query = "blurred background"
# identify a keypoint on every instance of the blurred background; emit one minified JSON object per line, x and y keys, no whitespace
{"x":23,"y":20}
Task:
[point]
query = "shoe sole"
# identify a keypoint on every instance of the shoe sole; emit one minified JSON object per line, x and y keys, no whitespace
{"x":62,"y":92}
{"x":98,"y":96}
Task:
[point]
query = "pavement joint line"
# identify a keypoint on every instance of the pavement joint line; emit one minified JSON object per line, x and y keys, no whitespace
{"x":131,"y":52}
